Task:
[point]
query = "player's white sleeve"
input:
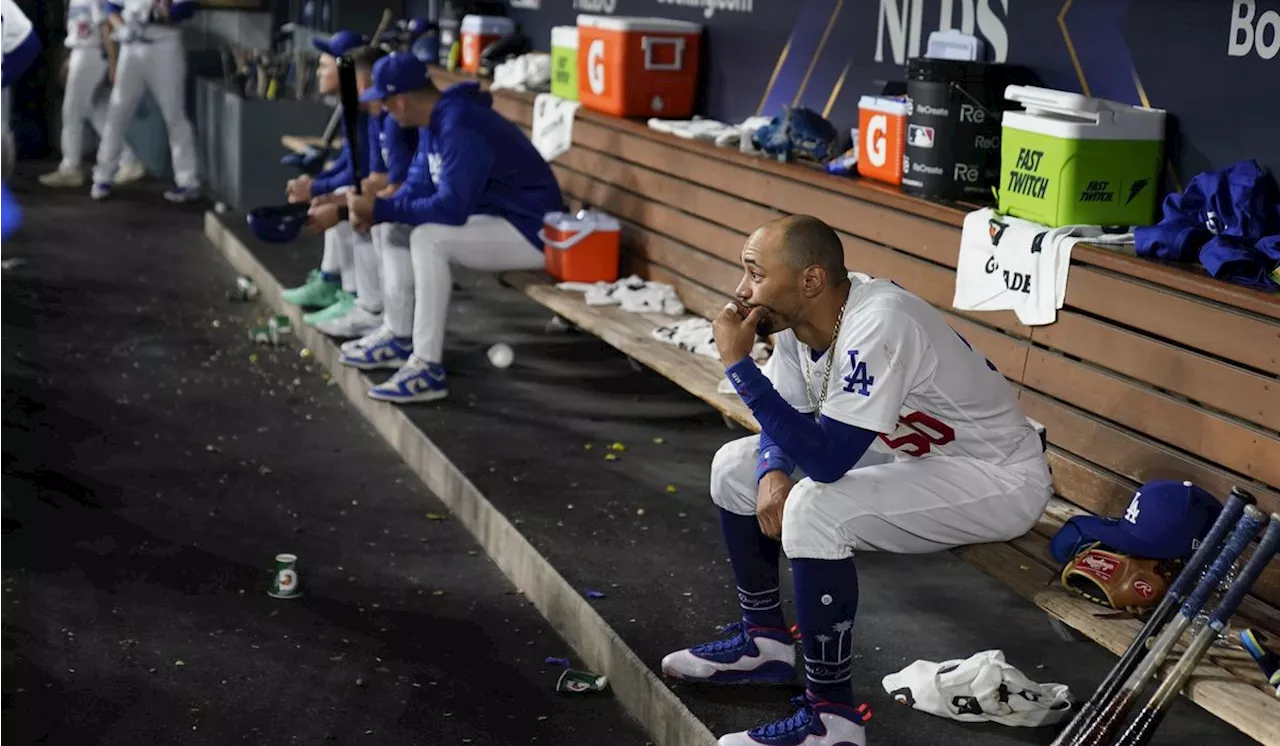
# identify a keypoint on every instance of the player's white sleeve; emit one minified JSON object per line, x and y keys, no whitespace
{"x":784,"y":372}
{"x":17,"y":26}
{"x":883,"y":355}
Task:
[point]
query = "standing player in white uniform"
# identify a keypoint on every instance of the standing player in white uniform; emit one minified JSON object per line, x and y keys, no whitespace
{"x":151,"y":58}
{"x":20,"y":47}
{"x":92,"y":51}
{"x":859,"y":362}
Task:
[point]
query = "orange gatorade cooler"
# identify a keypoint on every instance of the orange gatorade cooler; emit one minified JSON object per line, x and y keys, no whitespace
{"x":581,"y":247}
{"x":882,"y":127}
{"x":634,"y":67}
{"x":478,"y":32}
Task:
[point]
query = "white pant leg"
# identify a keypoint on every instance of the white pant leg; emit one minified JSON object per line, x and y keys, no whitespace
{"x":131,"y":82}
{"x":85,"y":70}
{"x":913,"y":507}
{"x":98,"y":120}
{"x":907,"y":507}
{"x":485,"y":242}
{"x":368,"y":270}
{"x":338,"y":242}
{"x":392,"y":240}
{"x":166,"y":75}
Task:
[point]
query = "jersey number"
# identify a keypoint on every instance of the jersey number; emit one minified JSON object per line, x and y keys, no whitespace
{"x":923,"y":433}
{"x":859,"y":379}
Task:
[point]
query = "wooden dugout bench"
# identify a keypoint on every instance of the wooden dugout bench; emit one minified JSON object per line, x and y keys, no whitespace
{"x":1152,"y":371}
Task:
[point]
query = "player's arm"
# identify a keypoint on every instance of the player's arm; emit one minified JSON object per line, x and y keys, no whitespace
{"x":881,"y":355}
{"x":466,"y":161}
{"x":21,"y":46}
{"x":824,"y":449}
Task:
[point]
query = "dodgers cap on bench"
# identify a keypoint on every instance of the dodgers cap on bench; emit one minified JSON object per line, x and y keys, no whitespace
{"x":1165,"y":520}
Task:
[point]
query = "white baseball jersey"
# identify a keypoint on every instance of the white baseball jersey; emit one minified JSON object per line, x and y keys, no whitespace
{"x":900,"y":370}
{"x":84,"y":23}
{"x":16,"y":26}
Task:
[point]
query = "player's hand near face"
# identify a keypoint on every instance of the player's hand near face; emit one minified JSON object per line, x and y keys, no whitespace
{"x":771,"y":497}
{"x":734,"y":330}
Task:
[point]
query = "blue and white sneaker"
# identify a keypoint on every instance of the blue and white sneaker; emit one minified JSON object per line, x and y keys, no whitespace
{"x":814,"y":724}
{"x":379,"y":349}
{"x":182,"y":195}
{"x":416,"y":381}
{"x":99,"y":191}
{"x":749,"y":655}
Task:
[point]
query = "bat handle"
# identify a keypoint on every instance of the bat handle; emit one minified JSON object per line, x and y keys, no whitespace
{"x":1227,"y":518}
{"x":1244,"y":532}
{"x":1249,"y":575}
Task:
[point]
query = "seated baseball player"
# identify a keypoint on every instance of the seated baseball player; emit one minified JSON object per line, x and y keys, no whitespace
{"x":486,"y":194}
{"x":363,"y":313}
{"x":335,"y":280}
{"x":882,"y":431}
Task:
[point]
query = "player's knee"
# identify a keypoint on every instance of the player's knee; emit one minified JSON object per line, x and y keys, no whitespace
{"x":733,"y":476}
{"x":809,"y":530}
{"x":427,"y":237}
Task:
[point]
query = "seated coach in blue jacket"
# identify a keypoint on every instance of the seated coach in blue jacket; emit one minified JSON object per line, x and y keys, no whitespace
{"x":480,"y":205}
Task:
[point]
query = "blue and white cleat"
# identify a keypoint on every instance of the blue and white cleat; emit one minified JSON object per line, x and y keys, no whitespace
{"x":749,"y":655}
{"x":414,"y":383}
{"x":813,"y":724}
{"x":379,"y":349}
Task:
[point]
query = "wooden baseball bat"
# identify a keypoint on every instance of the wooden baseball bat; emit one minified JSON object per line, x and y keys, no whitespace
{"x":1151,"y":715}
{"x":1164,"y":611}
{"x":350,"y":114}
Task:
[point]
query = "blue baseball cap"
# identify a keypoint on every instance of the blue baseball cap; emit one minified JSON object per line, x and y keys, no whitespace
{"x":1166,"y":519}
{"x":399,"y":72}
{"x":341,"y":43}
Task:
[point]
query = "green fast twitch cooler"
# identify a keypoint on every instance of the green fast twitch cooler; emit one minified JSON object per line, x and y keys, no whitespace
{"x":1068,"y":159}
{"x":564,"y":62}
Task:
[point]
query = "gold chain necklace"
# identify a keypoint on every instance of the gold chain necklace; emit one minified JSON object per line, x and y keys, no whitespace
{"x":826,"y":376}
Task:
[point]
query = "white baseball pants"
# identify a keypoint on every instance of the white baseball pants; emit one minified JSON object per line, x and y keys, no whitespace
{"x":907,"y":507}
{"x":391,"y":243}
{"x":485,"y":242}
{"x":86,"y":70}
{"x":340,"y":245}
{"x":160,"y":66}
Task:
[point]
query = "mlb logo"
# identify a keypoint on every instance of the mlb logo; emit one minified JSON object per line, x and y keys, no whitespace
{"x":919,"y":136}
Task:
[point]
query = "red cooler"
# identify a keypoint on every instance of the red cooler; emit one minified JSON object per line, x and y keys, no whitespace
{"x":478,"y":32}
{"x":638,"y":67}
{"x":582,"y":247}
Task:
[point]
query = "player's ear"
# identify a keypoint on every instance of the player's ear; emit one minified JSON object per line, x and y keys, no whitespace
{"x":813,"y":280}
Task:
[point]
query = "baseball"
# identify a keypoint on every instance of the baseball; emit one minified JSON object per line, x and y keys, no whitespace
{"x":501,"y":355}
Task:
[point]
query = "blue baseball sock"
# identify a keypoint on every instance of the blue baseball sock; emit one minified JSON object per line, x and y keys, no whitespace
{"x":754,"y":557}
{"x":826,"y":602}
{"x":329,"y":277}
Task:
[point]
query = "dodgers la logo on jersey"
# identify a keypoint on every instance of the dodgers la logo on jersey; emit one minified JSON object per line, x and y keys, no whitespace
{"x":434,"y":162}
{"x":858,"y":381}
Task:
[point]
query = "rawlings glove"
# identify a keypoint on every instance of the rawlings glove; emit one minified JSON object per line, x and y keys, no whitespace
{"x":1117,"y":580}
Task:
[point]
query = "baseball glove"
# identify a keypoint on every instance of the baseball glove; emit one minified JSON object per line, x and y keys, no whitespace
{"x":1117,"y":580}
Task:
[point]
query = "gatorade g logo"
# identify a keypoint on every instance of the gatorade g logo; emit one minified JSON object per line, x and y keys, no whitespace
{"x":877,"y":141}
{"x":996,"y":230}
{"x":595,"y":66}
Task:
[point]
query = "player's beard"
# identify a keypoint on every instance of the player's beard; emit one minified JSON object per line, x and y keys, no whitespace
{"x":769,"y":323}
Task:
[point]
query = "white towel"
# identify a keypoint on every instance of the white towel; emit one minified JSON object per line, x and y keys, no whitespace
{"x":528,"y":72}
{"x":1009,"y":264}
{"x":692,"y":334}
{"x":633,"y":293}
{"x":980,"y":688}
{"x":697,"y":128}
{"x":552,"y":131}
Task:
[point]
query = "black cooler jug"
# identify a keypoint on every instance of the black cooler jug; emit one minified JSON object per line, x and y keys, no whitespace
{"x":953,"y":131}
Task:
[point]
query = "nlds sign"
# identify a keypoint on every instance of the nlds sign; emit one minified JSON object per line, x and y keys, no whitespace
{"x":906,"y":25}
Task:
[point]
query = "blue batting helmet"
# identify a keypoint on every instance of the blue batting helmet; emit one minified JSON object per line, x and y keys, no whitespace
{"x":278,"y":223}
